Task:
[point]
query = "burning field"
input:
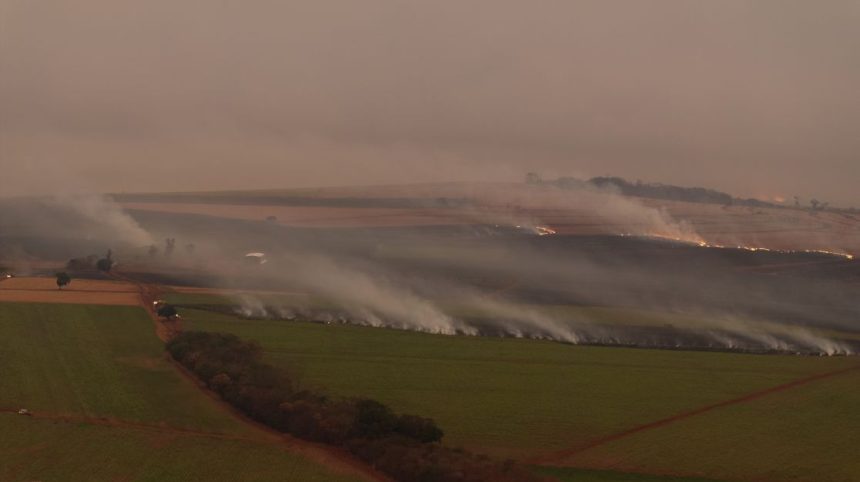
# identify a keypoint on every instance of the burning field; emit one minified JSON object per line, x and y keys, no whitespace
{"x":582,"y":267}
{"x":624,"y":321}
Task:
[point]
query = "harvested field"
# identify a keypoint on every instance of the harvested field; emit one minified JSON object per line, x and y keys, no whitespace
{"x":195,"y":290}
{"x":564,"y":211}
{"x":80,"y":291}
{"x":312,"y":216}
{"x":77,"y":285}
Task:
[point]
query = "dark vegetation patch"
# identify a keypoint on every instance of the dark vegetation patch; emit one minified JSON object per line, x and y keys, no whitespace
{"x":406,"y":447}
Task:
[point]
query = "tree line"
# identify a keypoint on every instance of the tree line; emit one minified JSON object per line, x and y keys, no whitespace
{"x":405,"y":447}
{"x":675,"y":193}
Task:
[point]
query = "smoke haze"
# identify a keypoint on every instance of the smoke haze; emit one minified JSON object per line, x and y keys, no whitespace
{"x":758,"y":98}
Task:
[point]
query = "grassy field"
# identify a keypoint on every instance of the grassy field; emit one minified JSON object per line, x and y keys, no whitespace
{"x":508,"y":396}
{"x":91,"y":374}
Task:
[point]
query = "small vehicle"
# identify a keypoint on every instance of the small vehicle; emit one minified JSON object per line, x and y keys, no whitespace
{"x":26,"y":412}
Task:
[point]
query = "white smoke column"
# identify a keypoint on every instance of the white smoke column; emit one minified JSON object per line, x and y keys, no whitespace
{"x":103,"y":212}
{"x":372,"y":297}
{"x":606,"y":207}
{"x":250,"y":306}
{"x":770,"y":335}
{"x":518,"y":320}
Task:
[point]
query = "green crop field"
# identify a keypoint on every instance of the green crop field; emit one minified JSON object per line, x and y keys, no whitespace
{"x":809,"y":433}
{"x":582,"y":475}
{"x":509,"y":396}
{"x":96,"y":361}
{"x":44,"y":450}
{"x":109,"y":406}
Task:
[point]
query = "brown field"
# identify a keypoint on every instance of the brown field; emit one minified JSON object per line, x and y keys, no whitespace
{"x":310,"y":216}
{"x":92,"y":292}
{"x":227,"y":291}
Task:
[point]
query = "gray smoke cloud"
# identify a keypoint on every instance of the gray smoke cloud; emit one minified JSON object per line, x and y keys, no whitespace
{"x":702,"y":307}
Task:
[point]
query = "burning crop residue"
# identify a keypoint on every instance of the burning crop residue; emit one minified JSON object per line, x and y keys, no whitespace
{"x":704,"y":244}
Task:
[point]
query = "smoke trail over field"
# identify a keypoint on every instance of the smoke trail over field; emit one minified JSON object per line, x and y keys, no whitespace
{"x":490,"y":278}
{"x":485,"y":277}
{"x":606,"y":210}
{"x":66,"y":225}
{"x":101,"y":213}
{"x":675,"y":312}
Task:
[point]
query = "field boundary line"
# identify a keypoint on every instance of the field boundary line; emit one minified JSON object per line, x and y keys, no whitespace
{"x":559,"y":456}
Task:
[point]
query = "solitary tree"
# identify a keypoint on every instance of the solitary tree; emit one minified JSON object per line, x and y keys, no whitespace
{"x":63,"y":279}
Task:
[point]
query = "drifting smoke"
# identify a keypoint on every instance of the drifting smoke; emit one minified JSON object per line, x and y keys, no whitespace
{"x":603,"y":209}
{"x":63,"y":226}
{"x":368,"y":295}
{"x":102,"y":213}
{"x":719,"y":313}
{"x":464,"y":291}
{"x":366,"y":299}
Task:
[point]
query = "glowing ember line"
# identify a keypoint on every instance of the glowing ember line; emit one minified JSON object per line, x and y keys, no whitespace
{"x":705,"y":244}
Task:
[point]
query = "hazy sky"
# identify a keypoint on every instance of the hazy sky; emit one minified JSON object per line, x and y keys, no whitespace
{"x":756,"y":97}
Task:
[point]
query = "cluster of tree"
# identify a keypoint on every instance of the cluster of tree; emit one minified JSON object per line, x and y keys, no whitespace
{"x":82,"y":264}
{"x":106,"y":263}
{"x":406,"y":447}
{"x":169,"y":247}
{"x":91,"y":262}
